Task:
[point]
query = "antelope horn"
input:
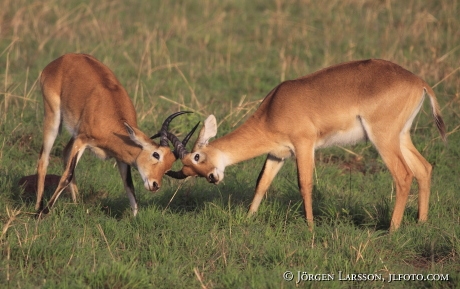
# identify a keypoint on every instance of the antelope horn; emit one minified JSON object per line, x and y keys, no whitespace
{"x":189,"y":135}
{"x":180,"y":151}
{"x":163,"y":134}
{"x":176,"y":175}
{"x":179,"y":146}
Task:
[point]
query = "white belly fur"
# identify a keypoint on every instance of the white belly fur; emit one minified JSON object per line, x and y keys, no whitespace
{"x":350,"y":136}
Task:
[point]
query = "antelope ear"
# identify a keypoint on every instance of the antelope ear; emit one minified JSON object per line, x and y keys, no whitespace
{"x":136,"y":136}
{"x":208,"y":131}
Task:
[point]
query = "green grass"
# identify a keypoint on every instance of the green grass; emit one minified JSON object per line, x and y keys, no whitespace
{"x":221,"y":57}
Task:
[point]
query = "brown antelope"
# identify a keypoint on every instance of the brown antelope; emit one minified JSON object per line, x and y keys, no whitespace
{"x":342,"y":104}
{"x":84,"y":95}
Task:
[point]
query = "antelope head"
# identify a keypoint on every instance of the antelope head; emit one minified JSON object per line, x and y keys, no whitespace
{"x":204,"y":160}
{"x":154,"y":160}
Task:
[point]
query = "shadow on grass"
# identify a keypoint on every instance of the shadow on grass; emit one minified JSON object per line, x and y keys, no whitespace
{"x":197,"y":195}
{"x":194,"y":195}
{"x":24,"y":193}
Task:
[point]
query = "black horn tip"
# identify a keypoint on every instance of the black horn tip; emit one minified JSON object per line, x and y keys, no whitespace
{"x":189,"y":135}
{"x":155,"y":136}
{"x":176,"y":175}
{"x":169,"y":118}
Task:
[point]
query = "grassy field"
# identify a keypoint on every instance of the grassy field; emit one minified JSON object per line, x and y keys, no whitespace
{"x":222,"y":57}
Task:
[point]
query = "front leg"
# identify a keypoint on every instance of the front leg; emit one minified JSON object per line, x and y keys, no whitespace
{"x":271,"y":167}
{"x":125,"y":173}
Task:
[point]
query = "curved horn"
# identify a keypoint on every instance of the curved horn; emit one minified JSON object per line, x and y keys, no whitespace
{"x":189,"y":135}
{"x":179,"y":146}
{"x":176,"y":175}
{"x":186,"y":138}
{"x":164,"y":128}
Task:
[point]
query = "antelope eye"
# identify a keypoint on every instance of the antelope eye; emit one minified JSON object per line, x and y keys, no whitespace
{"x":196,"y":157}
{"x":156,"y":155}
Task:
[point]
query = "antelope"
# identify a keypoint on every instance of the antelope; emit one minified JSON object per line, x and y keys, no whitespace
{"x":342,"y":104}
{"x":84,"y":95}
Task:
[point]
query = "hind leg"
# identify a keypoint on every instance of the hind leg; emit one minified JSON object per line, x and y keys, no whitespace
{"x":50,"y":131}
{"x":72,"y":186}
{"x":390,"y":151}
{"x":421,"y":169}
{"x":75,"y":153}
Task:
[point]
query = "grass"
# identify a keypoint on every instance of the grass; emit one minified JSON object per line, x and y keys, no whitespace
{"x":222,"y":57}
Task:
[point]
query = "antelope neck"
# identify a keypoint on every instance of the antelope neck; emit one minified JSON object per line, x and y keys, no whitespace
{"x":246,"y":142}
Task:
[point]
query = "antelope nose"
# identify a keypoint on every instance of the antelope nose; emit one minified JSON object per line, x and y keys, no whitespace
{"x":155,"y":186}
{"x":212,"y":179}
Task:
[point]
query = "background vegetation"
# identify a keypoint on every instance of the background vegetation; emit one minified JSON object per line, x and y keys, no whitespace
{"x":222,"y":57}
